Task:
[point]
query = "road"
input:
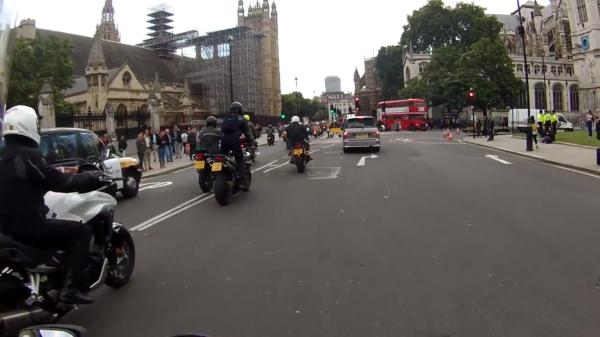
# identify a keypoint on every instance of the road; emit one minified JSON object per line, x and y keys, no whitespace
{"x":430,"y":238}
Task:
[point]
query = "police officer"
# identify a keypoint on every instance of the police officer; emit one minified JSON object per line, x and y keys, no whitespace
{"x":554,"y":125}
{"x":234,"y":125}
{"x":24,"y":180}
{"x":210,"y":136}
{"x":541,"y":121}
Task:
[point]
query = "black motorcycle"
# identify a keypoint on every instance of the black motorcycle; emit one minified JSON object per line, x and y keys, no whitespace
{"x":203,"y":166}
{"x":227,"y":180}
{"x":271,"y":139}
{"x":31,"y":279}
{"x":300,"y":157}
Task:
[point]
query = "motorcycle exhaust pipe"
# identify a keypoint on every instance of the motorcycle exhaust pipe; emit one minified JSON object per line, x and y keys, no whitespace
{"x":13,"y":321}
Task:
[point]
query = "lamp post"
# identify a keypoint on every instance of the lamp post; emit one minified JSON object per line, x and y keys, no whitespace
{"x":544,"y":69}
{"x":297,"y":98}
{"x":529,"y":140}
{"x":230,"y":39}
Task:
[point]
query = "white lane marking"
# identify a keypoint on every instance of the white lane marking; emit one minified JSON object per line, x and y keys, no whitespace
{"x":276,"y":167}
{"x":168,"y":212}
{"x":363,"y":159}
{"x":496,"y":158}
{"x":172,"y":214}
{"x":263,"y":167}
{"x":150,"y":186}
{"x":328,"y":146}
{"x":576,"y":171}
{"x":324,"y":173}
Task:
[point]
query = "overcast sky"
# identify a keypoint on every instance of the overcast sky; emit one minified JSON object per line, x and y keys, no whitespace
{"x":317,"y":38}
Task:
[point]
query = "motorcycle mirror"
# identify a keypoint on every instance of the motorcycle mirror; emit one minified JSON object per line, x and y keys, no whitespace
{"x":53,"y":331}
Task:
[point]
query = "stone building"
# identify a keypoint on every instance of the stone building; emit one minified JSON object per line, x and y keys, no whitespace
{"x":562,"y":45}
{"x":367,"y":88}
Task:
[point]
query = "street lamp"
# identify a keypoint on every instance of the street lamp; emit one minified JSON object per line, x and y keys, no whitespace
{"x":544,"y":70}
{"x":529,"y":140}
{"x":230,"y":39}
{"x":297,"y":98}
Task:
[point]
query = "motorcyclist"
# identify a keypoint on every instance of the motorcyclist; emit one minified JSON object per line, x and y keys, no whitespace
{"x":251,"y":126}
{"x":296,"y":133}
{"x":25,"y":177}
{"x":270,"y":130}
{"x":210,"y":136}
{"x":234,"y":125}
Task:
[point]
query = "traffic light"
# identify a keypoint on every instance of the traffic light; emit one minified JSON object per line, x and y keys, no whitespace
{"x":282,"y":115}
{"x":357,"y":103}
{"x":471,"y":97}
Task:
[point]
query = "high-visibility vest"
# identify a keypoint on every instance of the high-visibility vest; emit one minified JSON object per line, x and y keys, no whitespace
{"x":542,"y":118}
{"x":553,"y":118}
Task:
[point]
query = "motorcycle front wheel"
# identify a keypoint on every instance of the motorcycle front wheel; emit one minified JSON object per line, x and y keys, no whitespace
{"x":222,"y":190}
{"x":121,"y":259}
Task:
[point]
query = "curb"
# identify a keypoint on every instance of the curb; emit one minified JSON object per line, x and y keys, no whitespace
{"x":568,"y":144}
{"x":182,"y":167}
{"x":544,"y":160}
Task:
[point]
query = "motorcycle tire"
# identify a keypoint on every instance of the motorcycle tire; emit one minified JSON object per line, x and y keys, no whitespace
{"x":205,"y":180}
{"x":119,"y":275}
{"x":300,"y":164}
{"x":247,"y":181}
{"x":222,"y":190}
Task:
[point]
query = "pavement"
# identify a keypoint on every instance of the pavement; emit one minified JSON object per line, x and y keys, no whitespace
{"x":571,"y":156}
{"x":427,"y":238}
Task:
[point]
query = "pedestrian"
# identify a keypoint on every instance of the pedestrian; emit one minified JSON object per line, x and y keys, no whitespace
{"x":140,"y":144}
{"x":193,"y":140}
{"x":598,"y":128}
{"x":478,"y":129}
{"x":148,"y":154}
{"x":588,"y":122}
{"x":491,"y":125}
{"x":534,"y":131}
{"x":170,"y":150}
{"x":123,"y":146}
{"x":184,"y":143}
{"x":154,"y":141}
{"x":163,"y":148}
{"x":177,"y":141}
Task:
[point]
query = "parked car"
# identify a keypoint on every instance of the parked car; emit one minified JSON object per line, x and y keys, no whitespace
{"x":361,"y":132}
{"x":519,"y":118}
{"x":71,"y":149}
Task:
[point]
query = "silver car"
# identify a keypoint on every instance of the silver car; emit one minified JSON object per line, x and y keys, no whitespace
{"x":361,"y":132}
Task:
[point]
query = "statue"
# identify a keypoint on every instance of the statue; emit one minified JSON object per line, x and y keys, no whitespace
{"x":154,"y":110}
{"x":109,"y":111}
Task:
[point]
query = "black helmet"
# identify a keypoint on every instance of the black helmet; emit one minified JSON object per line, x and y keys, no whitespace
{"x":236,"y":108}
{"x":211,"y":121}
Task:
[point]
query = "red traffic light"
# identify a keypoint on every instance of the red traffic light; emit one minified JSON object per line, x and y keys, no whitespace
{"x":471,"y":97}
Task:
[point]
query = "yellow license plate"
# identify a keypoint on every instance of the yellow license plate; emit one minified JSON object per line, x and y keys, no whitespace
{"x":217,"y":167}
{"x":363,"y":136}
{"x":200,"y":165}
{"x":298,"y":152}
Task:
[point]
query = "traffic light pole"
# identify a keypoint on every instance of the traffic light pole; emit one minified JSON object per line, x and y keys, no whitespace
{"x":529,"y":140}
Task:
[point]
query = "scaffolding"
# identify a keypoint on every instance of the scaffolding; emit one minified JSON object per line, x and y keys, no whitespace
{"x":239,"y":47}
{"x":161,"y":37}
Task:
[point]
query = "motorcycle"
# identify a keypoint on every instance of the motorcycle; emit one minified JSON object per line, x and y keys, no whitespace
{"x":249,"y":151}
{"x":31,"y":279}
{"x":203,"y":166}
{"x":300,"y":157}
{"x":56,"y":330}
{"x":227,"y":180}
{"x":271,"y":139}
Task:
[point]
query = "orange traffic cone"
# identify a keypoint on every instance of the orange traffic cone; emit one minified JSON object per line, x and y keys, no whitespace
{"x":450,"y":136}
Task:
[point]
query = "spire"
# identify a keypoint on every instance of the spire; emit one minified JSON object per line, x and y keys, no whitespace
{"x":356,"y":74}
{"x":96,"y":57}
{"x":241,"y":11}
{"x":265,"y":5}
{"x":537,"y":10}
{"x":273,"y":9}
{"x":107,"y":27}
{"x":156,"y":84}
{"x":187,"y":92}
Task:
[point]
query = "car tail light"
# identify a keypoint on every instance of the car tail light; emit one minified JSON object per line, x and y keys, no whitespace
{"x":219,"y":158}
{"x":374,"y":134}
{"x":346,"y":134}
{"x":199,"y":156}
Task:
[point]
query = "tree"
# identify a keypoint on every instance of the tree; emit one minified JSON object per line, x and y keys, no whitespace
{"x":487,"y":68}
{"x":434,"y":26}
{"x":37,"y":61}
{"x":415,"y":88}
{"x":390,"y":70}
{"x":306,"y":107}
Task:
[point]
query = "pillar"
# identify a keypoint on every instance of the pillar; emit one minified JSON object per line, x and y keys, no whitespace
{"x":46,"y":107}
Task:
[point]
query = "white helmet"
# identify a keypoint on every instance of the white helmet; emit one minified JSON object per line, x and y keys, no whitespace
{"x":295,"y":119}
{"x":23,"y":121}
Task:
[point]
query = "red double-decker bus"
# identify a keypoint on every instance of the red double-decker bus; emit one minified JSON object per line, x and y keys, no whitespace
{"x":407,"y":114}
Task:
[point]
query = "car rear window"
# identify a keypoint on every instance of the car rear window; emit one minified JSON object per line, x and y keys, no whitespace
{"x":360,"y":123}
{"x":59,"y":147}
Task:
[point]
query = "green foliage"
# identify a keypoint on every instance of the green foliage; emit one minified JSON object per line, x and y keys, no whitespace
{"x":435,"y":25}
{"x":389,"y":70}
{"x":307,"y":107}
{"x":36,"y":61}
{"x":415,"y":88}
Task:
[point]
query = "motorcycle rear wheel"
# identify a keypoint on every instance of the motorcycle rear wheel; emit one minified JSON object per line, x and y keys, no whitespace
{"x":205,"y":180}
{"x":247,"y":180}
{"x":121,"y":264}
{"x":222,"y":190}
{"x":300,"y":164}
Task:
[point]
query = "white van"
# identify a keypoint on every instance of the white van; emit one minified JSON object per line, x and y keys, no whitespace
{"x":519,"y":117}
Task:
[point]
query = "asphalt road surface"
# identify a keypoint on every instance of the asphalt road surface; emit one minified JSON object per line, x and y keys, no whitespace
{"x":429,"y":238}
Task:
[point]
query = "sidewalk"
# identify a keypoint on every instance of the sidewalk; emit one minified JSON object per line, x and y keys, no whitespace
{"x":177,"y":164}
{"x":579,"y":158}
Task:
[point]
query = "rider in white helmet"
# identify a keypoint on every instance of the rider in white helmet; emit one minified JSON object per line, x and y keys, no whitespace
{"x":24,"y":180}
{"x":296,"y":133}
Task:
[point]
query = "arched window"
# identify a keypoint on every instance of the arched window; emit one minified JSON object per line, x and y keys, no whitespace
{"x":126,"y":80}
{"x":569,"y":69}
{"x":536,"y":69}
{"x":560,"y":71}
{"x":540,"y":96}
{"x":519,"y":68}
{"x":553,"y":70}
{"x":407,"y":76}
{"x":557,"y":97}
{"x":574,"y":96}
{"x":121,"y":109}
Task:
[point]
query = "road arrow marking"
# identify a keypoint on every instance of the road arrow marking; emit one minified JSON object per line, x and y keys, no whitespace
{"x":363,"y":159}
{"x":496,"y":158}
{"x":151,"y":186}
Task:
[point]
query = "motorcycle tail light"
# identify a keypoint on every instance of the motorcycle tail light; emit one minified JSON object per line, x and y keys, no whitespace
{"x":298,"y":146}
{"x":199,"y":156}
{"x":219,"y":158}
